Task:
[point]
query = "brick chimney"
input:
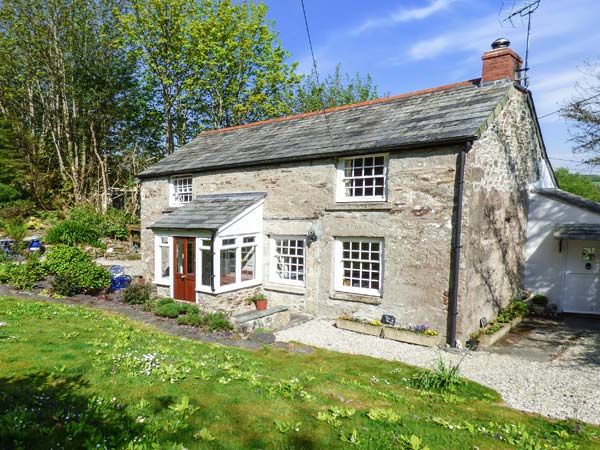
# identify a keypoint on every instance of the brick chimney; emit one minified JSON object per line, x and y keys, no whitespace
{"x":501,"y":62}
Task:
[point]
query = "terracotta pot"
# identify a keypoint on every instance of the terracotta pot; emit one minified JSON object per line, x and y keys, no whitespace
{"x":261,"y":305}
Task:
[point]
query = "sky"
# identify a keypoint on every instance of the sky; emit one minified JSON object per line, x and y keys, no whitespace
{"x":415,"y":44}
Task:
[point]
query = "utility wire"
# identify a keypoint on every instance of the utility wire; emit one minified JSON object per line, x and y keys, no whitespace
{"x":314,"y":60}
{"x":560,"y":109}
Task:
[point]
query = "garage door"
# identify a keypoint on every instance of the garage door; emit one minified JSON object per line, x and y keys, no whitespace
{"x":582,"y":278}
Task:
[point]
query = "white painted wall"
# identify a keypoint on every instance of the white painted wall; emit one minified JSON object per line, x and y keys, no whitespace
{"x":544,"y":264}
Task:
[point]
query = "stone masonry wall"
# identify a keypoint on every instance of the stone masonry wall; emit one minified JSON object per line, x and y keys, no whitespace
{"x":500,"y":166}
{"x":415,"y":224}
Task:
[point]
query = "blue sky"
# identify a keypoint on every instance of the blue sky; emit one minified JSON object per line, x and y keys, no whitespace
{"x":415,"y":44}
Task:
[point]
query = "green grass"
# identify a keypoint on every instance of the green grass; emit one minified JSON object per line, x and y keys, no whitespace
{"x":74,"y":377}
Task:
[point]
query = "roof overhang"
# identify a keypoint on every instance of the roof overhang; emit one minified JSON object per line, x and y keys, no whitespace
{"x":209,"y":212}
{"x":577,"y":231}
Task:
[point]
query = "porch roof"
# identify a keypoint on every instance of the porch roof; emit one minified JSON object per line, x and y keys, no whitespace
{"x":208,"y":212}
{"x":578,"y":231}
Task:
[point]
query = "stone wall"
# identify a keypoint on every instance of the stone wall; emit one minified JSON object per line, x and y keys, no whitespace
{"x":499,"y":169}
{"x":415,"y":224}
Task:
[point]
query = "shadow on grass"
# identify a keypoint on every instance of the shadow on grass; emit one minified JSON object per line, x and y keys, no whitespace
{"x":41,"y":411}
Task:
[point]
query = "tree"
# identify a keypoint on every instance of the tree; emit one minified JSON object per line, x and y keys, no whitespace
{"x":335,"y":90}
{"x":577,"y":184}
{"x":585,"y":114}
{"x":67,"y":90}
{"x":211,"y":64}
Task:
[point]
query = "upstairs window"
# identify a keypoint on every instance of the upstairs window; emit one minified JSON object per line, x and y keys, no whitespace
{"x":362,"y":178}
{"x":181,"y":190}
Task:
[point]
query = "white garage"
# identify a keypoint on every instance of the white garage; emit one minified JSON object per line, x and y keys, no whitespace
{"x":563,"y":250}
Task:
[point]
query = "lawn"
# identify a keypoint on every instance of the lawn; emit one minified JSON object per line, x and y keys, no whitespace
{"x":73,"y":377}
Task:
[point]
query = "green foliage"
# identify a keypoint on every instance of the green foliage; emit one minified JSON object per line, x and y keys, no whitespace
{"x":335,"y":90}
{"x":16,"y":209}
{"x":15,"y":229}
{"x":171,"y":310}
{"x":137,"y":294}
{"x":577,"y":184}
{"x":383,"y":415}
{"x":256,"y":297}
{"x":23,"y":276}
{"x":73,"y":233}
{"x":517,"y":308}
{"x":8,"y":193}
{"x":539,"y":300}
{"x":75,"y":271}
{"x":442,"y":378}
{"x":412,"y":443}
{"x":132,"y":386}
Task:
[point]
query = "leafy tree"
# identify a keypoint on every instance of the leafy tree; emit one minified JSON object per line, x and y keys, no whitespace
{"x":210,"y":64}
{"x":577,"y":184}
{"x":66,"y":89}
{"x":335,"y":90}
{"x":584,"y":112}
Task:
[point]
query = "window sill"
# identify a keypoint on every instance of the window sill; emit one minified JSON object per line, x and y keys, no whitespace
{"x":162,"y":283}
{"x":358,"y":298}
{"x":360,"y":206}
{"x":288,"y":289}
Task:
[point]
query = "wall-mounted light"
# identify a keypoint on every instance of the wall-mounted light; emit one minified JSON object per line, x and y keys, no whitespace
{"x":311,"y":236}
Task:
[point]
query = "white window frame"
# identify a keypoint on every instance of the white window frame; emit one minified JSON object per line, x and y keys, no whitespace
{"x":158,"y":245}
{"x":341,"y":180}
{"x":339,"y":266}
{"x":173,"y":199}
{"x":273,"y":276}
{"x":239,"y":243}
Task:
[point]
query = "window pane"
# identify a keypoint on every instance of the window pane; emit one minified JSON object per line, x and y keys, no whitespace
{"x":364,"y":177}
{"x":191,"y":256}
{"x":288,"y":260}
{"x":180,"y":255}
{"x":206,"y":274}
{"x":228,"y":266}
{"x":249,"y":239}
{"x":228,"y":241}
{"x":361,"y":266}
{"x":248,"y":263}
{"x":165,"y":267}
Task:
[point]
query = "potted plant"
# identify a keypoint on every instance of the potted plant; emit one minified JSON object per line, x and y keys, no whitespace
{"x":372,"y":327}
{"x":492,"y":333}
{"x":260,"y":301}
{"x":418,"y":335}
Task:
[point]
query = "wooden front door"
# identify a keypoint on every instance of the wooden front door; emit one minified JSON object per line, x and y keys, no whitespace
{"x":184,"y":275}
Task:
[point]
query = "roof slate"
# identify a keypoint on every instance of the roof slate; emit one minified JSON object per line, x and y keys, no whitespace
{"x":572,"y":199}
{"x":208,"y":212}
{"x":449,"y":115}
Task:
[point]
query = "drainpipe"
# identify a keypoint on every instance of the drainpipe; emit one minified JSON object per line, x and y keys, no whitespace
{"x":456,"y":246}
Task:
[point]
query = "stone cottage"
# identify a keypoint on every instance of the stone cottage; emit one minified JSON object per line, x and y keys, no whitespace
{"x":413,"y":205}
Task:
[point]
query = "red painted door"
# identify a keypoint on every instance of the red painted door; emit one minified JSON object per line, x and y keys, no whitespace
{"x":184,"y":275}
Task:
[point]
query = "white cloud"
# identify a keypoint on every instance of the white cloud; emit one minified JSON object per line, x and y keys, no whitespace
{"x":403,"y":15}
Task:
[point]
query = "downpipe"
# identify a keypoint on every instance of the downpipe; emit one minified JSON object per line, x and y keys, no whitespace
{"x":456,"y":243}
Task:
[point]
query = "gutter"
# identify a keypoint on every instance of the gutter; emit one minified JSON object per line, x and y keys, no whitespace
{"x":456,"y":244}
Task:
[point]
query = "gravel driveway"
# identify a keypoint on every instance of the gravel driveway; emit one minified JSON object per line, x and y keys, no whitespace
{"x":551,"y":388}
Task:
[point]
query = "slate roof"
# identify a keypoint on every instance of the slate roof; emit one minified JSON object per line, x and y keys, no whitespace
{"x":208,"y":212}
{"x":572,"y":199}
{"x":436,"y":116}
{"x":580,"y":231}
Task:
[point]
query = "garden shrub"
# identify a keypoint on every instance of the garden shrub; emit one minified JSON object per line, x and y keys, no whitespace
{"x":194,"y":320}
{"x":114,"y":224}
{"x":170,"y":310}
{"x":72,"y":232}
{"x":74,"y":265}
{"x":8,"y":193}
{"x":137,"y":294}
{"x":16,"y":209}
{"x":442,"y":378}
{"x":218,"y":321}
{"x":23,"y":276}
{"x":539,"y":300}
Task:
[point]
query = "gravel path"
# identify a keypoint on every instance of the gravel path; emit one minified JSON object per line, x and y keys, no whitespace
{"x":551,"y":389}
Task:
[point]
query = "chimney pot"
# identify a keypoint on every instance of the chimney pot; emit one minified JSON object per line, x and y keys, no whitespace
{"x":500,"y":43}
{"x":500,"y":63}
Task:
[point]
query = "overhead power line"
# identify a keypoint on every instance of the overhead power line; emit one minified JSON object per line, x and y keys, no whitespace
{"x":579,"y":101}
{"x":314,"y":61}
